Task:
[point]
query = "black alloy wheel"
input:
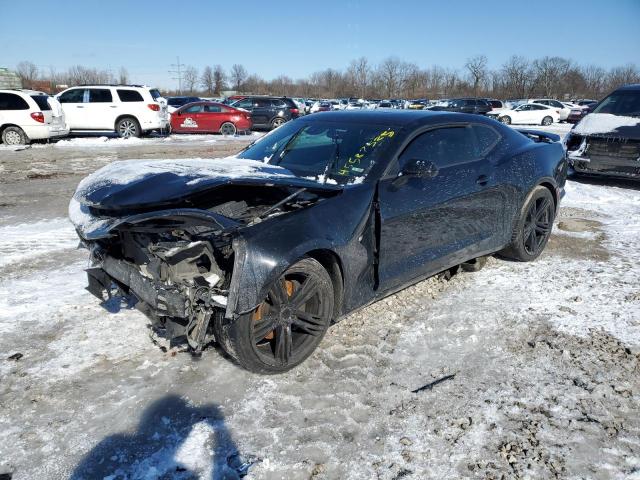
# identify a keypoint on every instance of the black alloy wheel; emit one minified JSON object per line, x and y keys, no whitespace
{"x":537,"y":225}
{"x":532,"y":228}
{"x":287,"y":326}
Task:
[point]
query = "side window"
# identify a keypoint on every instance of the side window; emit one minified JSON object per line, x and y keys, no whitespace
{"x":486,"y":138}
{"x":442,"y":146}
{"x":279,"y":103}
{"x":72,"y":96}
{"x":193,"y":109}
{"x":212,"y":108}
{"x":11,"y":101}
{"x":100,"y":95}
{"x":262,"y":103}
{"x":129,"y":96}
{"x":246,"y":103}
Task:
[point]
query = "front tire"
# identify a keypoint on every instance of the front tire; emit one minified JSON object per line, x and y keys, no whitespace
{"x":14,"y":136}
{"x":533,"y":227}
{"x":546,"y":121}
{"x":506,"y":119}
{"x":287,"y":326}
{"x":128,"y":127}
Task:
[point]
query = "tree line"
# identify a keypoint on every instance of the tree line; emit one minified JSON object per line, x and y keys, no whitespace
{"x":518,"y":77}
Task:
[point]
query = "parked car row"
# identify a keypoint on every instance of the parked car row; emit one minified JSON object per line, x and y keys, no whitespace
{"x":29,"y":115}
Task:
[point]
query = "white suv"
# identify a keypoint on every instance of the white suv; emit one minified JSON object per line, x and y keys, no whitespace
{"x":26,"y":115}
{"x":128,"y":110}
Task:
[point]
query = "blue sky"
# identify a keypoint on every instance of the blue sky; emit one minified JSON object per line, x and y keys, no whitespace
{"x":297,"y":38}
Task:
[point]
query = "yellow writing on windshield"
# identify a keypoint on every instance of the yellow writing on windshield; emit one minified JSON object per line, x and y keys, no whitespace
{"x":352,"y":165}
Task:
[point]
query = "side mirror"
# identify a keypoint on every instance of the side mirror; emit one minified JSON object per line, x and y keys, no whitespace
{"x":420,"y":168}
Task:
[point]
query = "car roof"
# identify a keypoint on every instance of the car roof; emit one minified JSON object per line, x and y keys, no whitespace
{"x":634,"y":87}
{"x":397,"y":117}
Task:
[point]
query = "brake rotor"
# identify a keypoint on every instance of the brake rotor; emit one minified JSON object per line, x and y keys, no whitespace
{"x":259,"y":312}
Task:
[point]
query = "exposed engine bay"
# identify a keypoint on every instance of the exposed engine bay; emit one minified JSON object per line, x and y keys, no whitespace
{"x":178,"y":270}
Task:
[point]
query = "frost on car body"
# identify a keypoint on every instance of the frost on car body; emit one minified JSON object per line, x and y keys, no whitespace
{"x":322,"y":216}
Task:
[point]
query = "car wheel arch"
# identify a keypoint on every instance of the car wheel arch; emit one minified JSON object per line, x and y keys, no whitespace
{"x":125,"y":115}
{"x":332,"y":263}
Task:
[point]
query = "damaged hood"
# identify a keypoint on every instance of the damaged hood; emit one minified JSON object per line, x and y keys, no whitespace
{"x":156,"y":183}
{"x":606,"y":124}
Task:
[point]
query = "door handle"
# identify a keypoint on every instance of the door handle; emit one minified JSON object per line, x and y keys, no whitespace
{"x":79,"y":106}
{"x":113,"y":106}
{"x":482,"y":180}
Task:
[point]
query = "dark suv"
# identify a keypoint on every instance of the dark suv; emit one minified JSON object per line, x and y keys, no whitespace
{"x":466,"y":105}
{"x":607,"y":140}
{"x":268,"y":112}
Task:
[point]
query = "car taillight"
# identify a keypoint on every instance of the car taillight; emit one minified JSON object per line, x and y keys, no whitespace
{"x":38,"y":116}
{"x":154,"y":106}
{"x":294,"y":110}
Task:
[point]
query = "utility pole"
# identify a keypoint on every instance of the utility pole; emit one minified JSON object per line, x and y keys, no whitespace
{"x":178,"y":72}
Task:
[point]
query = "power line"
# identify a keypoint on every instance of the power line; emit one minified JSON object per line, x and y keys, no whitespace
{"x":178,"y":72}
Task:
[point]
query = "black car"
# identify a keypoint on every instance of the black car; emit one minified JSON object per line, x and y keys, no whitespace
{"x":465,"y":105}
{"x":606,"y":141}
{"x":268,"y":112}
{"x":327,"y":214}
{"x":177,"y":102}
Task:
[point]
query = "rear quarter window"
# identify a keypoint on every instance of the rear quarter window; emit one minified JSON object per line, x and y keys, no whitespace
{"x":42,"y":102}
{"x":155,"y":93}
{"x":129,"y":96}
{"x":11,"y":101}
{"x":486,"y":137}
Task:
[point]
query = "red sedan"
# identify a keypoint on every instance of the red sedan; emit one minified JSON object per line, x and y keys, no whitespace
{"x":210,"y":117}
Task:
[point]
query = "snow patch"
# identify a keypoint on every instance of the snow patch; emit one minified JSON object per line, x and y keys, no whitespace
{"x":604,"y":123}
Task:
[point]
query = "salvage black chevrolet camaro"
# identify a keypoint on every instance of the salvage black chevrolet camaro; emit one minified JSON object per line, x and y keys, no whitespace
{"x":328,"y":213}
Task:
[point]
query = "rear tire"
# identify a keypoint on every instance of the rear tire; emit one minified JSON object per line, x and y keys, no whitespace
{"x":277,"y":122}
{"x":546,"y":121}
{"x":287,"y":326}
{"x":228,"y":128}
{"x":506,"y":119}
{"x":14,"y":136}
{"x":128,"y":127}
{"x":533,"y":226}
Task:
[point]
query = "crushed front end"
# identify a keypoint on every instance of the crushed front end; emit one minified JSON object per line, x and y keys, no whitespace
{"x":173,"y":269}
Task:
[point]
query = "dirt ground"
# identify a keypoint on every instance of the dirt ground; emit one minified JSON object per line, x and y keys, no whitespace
{"x":517,"y":371}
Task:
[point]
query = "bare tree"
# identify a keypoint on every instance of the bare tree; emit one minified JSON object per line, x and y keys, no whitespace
{"x":238,"y":76}
{"x":28,"y":72}
{"x":359,"y":74}
{"x":390,"y":74}
{"x":477,"y":67}
{"x":517,"y":76}
{"x":208,"y":80}
{"x":219,"y":79}
{"x":123,"y":76}
{"x":595,"y":79}
{"x":190,"y":78}
{"x":549,"y":72}
{"x":623,"y":75}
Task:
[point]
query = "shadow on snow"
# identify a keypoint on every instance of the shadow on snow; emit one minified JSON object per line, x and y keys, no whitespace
{"x":174,"y":440}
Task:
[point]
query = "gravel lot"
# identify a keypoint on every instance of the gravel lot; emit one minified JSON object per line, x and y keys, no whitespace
{"x":536,"y":366}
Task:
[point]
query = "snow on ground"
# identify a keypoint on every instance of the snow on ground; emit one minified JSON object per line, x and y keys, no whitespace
{"x":539,"y":366}
{"x":112,"y":141}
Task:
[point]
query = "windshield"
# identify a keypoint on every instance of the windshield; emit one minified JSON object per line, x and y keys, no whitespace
{"x":621,"y":103}
{"x":338,"y":153}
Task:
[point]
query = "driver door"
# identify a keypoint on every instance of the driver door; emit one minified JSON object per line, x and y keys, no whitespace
{"x":429,"y":223}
